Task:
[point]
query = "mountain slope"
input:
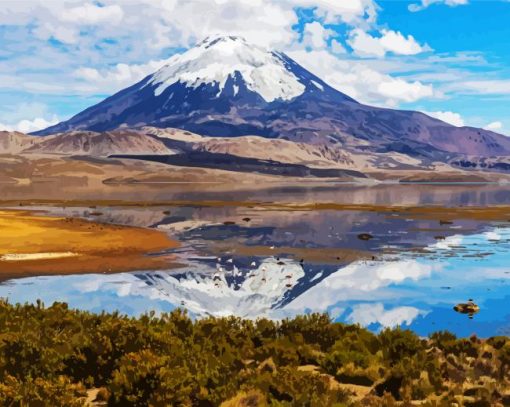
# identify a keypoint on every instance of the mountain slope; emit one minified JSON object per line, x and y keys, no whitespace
{"x":15,"y":142}
{"x":283,"y":151}
{"x":227,"y":87}
{"x":100,"y":144}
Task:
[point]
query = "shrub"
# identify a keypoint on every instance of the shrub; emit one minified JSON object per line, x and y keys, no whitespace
{"x":56,"y":392}
{"x":398,"y":344}
{"x":48,"y":356}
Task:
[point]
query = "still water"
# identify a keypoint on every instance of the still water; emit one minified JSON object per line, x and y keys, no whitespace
{"x":252,"y":256}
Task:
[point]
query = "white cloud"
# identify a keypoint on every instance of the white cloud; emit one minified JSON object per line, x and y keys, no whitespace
{"x":14,"y":118}
{"x":66,"y":35}
{"x":334,"y":11}
{"x":337,"y":47}
{"x":397,"y":43}
{"x":28,"y":126}
{"x":494,"y":126}
{"x":366,"y":314}
{"x":426,"y":3}
{"x":93,"y":14}
{"x":365,"y":45}
{"x":26,"y":117}
{"x":157,"y":24}
{"x":118,"y":77}
{"x":16,"y":112}
{"x":398,"y":90}
{"x":315,"y":35}
{"x":65,"y":23}
{"x":483,"y":87}
{"x":360,"y":81}
{"x":449,"y":117}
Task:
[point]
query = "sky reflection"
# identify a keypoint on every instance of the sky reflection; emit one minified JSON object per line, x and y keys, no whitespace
{"x":412,"y":290}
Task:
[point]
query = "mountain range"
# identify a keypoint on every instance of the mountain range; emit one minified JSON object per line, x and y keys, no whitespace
{"x":227,"y":97}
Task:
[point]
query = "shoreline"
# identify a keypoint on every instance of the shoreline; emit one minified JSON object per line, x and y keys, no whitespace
{"x":35,"y":245}
{"x":447,"y":213}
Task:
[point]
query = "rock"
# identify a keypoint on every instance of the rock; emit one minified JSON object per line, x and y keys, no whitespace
{"x":365,"y":236}
{"x":469,"y":308}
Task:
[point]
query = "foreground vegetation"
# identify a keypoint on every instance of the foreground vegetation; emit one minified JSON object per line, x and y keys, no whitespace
{"x":55,"y":356}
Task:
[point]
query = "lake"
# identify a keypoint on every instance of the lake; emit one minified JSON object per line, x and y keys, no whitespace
{"x":381,"y":255}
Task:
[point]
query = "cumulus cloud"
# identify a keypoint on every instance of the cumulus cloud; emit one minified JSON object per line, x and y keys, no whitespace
{"x":334,"y":11}
{"x":26,"y":117}
{"x":397,"y":90}
{"x":29,"y":126}
{"x":360,"y":81}
{"x":64,"y":24}
{"x":159,"y":24}
{"x":367,"y":314}
{"x":394,"y":41}
{"x":363,"y":44}
{"x":426,"y":3}
{"x":366,"y":45}
{"x":449,"y":117}
{"x":117,"y":77}
{"x":92,"y":14}
{"x":337,"y":47}
{"x":494,"y":126}
{"x":66,"y":35}
{"x":315,"y":35}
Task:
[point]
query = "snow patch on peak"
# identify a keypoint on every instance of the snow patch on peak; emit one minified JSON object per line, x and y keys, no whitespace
{"x":318,"y":85}
{"x":214,"y":39}
{"x":216,"y":59}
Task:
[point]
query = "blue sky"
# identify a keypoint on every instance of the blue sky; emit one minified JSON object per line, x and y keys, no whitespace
{"x":448,"y":58}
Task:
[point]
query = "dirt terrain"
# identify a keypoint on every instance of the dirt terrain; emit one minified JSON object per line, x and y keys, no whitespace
{"x":31,"y":244}
{"x":85,"y":157}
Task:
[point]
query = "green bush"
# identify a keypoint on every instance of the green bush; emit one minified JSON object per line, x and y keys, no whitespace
{"x":398,"y":343}
{"x":56,"y":392}
{"x":50,"y":355}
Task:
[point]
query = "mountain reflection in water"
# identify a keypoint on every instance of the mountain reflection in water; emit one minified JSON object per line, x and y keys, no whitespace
{"x":252,"y":261}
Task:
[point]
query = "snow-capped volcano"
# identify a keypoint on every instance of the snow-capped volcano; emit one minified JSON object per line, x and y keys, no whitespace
{"x":218,"y":60}
{"x":226,"y":87}
{"x":222,"y":86}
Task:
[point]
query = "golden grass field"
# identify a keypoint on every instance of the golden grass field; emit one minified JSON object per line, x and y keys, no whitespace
{"x":32,"y":244}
